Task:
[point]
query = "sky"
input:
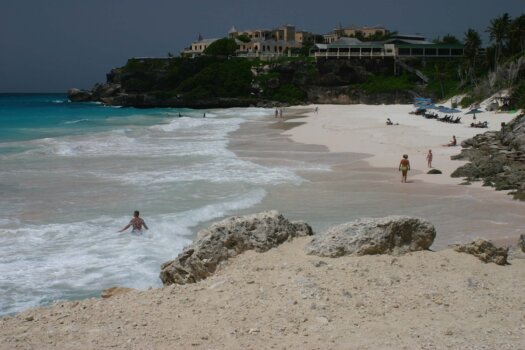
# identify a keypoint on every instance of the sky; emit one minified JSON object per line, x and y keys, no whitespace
{"x":54,"y":45}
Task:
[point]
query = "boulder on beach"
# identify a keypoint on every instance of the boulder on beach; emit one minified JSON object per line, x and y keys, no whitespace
{"x":389,"y":235}
{"x":434,"y":171}
{"x":485,"y":250}
{"x":228,"y":238}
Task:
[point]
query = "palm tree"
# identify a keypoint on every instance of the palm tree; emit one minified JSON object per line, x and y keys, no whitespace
{"x":517,"y":34}
{"x":472,"y":46}
{"x":499,"y":33}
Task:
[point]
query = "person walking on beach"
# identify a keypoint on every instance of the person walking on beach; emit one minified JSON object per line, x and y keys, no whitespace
{"x":429,"y":158}
{"x":276,"y":113}
{"x":137,"y":223}
{"x":404,"y":167}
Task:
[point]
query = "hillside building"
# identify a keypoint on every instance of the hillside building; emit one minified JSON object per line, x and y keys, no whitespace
{"x":353,"y":32}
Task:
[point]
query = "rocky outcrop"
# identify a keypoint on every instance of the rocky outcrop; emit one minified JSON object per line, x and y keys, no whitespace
{"x":226,"y":239}
{"x":367,"y":236}
{"x":79,"y":95}
{"x":521,"y":243}
{"x":497,"y":158}
{"x":485,"y":250}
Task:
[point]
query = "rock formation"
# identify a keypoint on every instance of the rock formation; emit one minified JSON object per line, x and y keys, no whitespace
{"x":485,"y":250}
{"x":434,"y":172}
{"x":79,"y":95}
{"x":368,"y":236}
{"x":521,"y":243}
{"x":497,"y":158}
{"x":226,"y":239}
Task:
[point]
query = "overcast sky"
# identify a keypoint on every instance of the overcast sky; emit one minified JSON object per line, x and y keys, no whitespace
{"x":52,"y":45}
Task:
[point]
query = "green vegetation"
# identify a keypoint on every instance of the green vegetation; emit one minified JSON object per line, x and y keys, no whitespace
{"x":222,"y":47}
{"x":443,"y":74}
{"x":201,"y":77}
{"x":288,"y":93}
{"x":244,"y":38}
{"x":382,"y":83}
{"x":229,"y":78}
{"x":518,"y":95}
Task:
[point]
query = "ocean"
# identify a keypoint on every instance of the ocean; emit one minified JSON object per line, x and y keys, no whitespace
{"x":72,"y":174}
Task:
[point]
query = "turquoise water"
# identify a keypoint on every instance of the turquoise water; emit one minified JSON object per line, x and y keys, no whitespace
{"x":72,"y":173}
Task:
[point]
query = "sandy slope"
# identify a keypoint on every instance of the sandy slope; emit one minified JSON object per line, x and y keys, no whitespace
{"x":284,"y":299}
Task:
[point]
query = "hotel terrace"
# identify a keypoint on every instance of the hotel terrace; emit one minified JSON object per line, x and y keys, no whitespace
{"x":396,"y":46}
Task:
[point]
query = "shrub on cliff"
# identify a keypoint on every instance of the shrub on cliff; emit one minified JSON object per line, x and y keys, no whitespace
{"x":222,"y":47}
{"x":228,"y":78}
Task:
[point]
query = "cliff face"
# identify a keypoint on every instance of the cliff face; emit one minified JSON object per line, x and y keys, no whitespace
{"x":214,"y":82}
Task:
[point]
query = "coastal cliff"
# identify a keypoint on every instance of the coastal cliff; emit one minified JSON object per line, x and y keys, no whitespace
{"x":208,"y":82}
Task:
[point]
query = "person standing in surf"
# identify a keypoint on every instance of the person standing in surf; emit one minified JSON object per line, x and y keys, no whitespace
{"x":137,"y":223}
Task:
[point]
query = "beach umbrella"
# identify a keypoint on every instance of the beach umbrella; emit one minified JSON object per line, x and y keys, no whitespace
{"x":474,"y":111}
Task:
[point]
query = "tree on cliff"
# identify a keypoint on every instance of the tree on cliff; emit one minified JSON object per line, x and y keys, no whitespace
{"x":517,"y":34}
{"x":472,"y":46}
{"x":222,"y":47}
{"x":499,"y":33}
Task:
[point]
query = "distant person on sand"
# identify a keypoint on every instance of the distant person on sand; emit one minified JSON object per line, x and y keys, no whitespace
{"x":276,"y":113}
{"x":404,"y":167}
{"x":429,"y":158}
{"x":452,"y":142}
{"x":281,"y":113}
{"x":137,"y":223}
{"x":316,"y":109}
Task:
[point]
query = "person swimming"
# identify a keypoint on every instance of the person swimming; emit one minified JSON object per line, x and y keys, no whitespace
{"x":137,"y":223}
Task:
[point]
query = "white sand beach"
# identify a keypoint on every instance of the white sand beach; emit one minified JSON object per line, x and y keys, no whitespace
{"x":363,"y":129}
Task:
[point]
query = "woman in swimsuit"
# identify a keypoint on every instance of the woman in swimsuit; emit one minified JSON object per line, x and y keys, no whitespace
{"x":404,"y":167}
